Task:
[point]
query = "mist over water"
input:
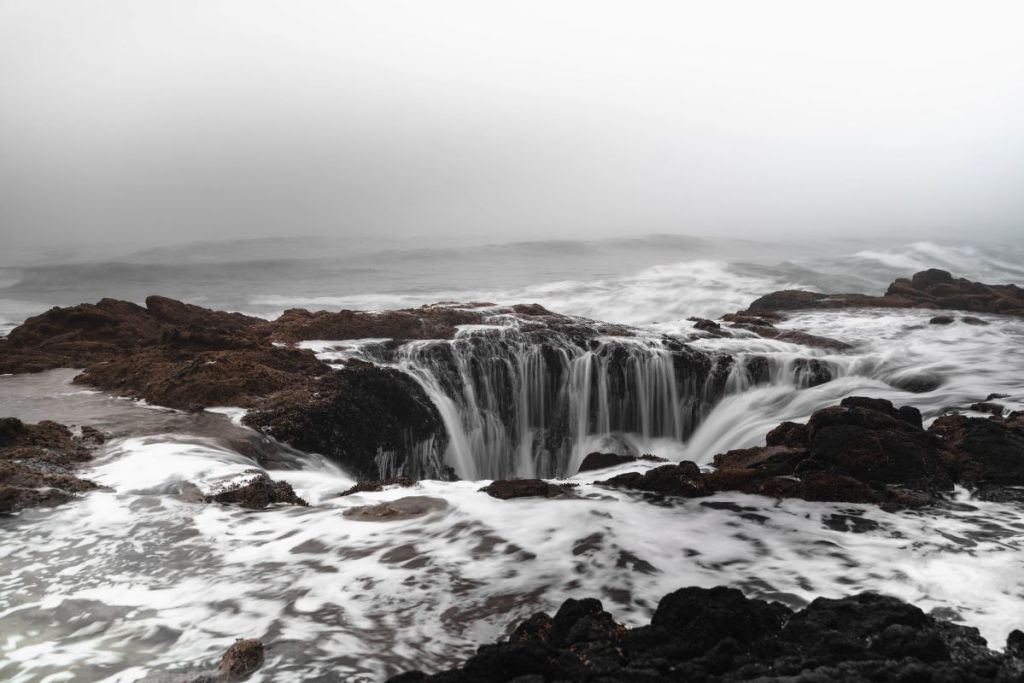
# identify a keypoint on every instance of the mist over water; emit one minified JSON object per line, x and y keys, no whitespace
{"x":633,"y":280}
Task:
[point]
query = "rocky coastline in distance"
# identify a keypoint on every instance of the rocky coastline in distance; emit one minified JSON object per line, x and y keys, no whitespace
{"x":864,"y":450}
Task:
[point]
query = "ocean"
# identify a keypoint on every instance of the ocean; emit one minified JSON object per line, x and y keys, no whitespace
{"x":142,"y":581}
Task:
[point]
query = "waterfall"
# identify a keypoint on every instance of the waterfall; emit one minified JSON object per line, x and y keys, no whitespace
{"x":518,"y":401}
{"x":533,"y":403}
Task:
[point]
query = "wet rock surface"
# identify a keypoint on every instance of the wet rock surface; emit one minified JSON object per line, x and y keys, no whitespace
{"x":38,"y":463}
{"x":864,"y":450}
{"x":244,"y":658}
{"x":258,"y":493}
{"x":374,"y":485}
{"x":933,"y":288}
{"x":718,"y":634}
{"x":354,"y":417}
{"x":599,"y":461}
{"x":506,"y":489}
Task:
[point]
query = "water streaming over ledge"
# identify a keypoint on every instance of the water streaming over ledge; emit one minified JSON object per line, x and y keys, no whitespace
{"x":534,"y":403}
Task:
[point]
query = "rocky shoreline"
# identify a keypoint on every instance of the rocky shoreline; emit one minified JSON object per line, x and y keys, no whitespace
{"x":373,"y":421}
{"x":718,"y":634}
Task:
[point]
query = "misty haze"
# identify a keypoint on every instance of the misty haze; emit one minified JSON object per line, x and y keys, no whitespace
{"x":465,"y":342}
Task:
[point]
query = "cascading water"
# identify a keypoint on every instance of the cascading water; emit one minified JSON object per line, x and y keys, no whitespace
{"x":533,"y":403}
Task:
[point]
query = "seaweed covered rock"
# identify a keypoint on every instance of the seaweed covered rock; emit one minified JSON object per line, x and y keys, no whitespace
{"x":38,"y":461}
{"x":258,"y":493}
{"x":718,"y":634}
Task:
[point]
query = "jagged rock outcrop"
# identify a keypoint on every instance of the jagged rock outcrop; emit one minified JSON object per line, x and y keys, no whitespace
{"x":718,"y":634}
{"x":865,"y":450}
{"x":372,"y":420}
{"x":932,"y":288}
{"x":38,"y":461}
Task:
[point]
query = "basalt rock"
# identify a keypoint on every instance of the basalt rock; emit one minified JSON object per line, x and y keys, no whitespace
{"x":258,"y":493}
{"x":933,"y":289}
{"x":78,"y":336}
{"x":600,"y":461}
{"x":372,"y":421}
{"x":240,"y":661}
{"x":984,"y":452}
{"x":506,"y":489}
{"x":192,"y":379}
{"x":426,"y":322}
{"x":864,"y":450}
{"x":37,"y":463}
{"x":718,"y":634}
{"x":682,"y":479}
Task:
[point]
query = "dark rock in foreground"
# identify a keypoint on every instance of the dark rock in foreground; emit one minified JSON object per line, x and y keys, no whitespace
{"x":864,"y":450}
{"x":933,"y":288}
{"x":258,"y":493}
{"x":526,"y":488}
{"x":37,"y":463}
{"x":718,"y":634}
{"x":244,"y":658}
{"x":398,"y":509}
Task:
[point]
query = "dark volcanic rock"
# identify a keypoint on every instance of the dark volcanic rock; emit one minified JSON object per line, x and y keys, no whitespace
{"x":985,"y":451}
{"x":703,"y":635}
{"x":942,"y":320}
{"x":683,"y":479}
{"x":599,"y":461}
{"x":933,"y":288}
{"x":258,"y":493}
{"x":426,"y":322}
{"x":864,"y":450}
{"x":526,"y":488}
{"x":37,"y":463}
{"x":790,"y":434}
{"x":241,"y":660}
{"x":191,"y":379}
{"x":353,"y":416}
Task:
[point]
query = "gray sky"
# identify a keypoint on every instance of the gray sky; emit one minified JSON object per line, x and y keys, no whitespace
{"x":202,"y":119}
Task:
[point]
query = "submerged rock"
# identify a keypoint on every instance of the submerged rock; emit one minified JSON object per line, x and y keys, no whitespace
{"x":393,"y":510}
{"x":718,"y":634}
{"x":258,"y":493}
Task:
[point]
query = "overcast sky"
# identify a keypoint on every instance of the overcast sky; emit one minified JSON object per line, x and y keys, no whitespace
{"x":162,"y":121}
